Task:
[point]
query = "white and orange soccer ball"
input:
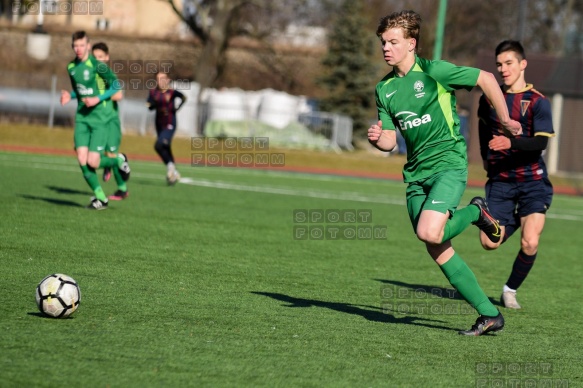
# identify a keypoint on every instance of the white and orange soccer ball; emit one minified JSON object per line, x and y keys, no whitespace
{"x":58,"y":295}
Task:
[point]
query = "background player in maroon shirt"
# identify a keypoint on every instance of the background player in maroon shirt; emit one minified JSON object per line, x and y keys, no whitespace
{"x":518,"y":191}
{"x":163,"y":100}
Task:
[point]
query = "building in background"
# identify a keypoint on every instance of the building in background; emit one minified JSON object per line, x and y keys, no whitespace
{"x":120,"y":16}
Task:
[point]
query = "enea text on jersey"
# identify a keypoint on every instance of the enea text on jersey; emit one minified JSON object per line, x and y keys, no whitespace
{"x":408,"y":123}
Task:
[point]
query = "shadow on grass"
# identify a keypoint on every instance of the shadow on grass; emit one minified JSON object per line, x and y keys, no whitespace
{"x":44,"y":316}
{"x":371,"y":313}
{"x":38,"y":315}
{"x":64,"y":190}
{"x":403,"y":290}
{"x":52,"y":201}
{"x":420,"y":290}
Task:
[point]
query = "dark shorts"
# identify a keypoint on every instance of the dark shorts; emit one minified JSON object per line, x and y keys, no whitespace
{"x":165,"y":133}
{"x":509,"y":200}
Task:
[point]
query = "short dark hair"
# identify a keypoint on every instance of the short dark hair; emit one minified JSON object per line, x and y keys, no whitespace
{"x":511,"y":45}
{"x":77,"y":35}
{"x":100,"y":46}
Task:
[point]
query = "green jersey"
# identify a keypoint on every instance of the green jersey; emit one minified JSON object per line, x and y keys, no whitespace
{"x":422,"y":106}
{"x":110,"y":105}
{"x":85,"y":78}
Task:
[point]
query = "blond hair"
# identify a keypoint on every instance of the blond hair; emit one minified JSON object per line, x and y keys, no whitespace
{"x":408,"y":21}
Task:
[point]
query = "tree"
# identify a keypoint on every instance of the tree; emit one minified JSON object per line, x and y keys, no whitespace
{"x":213,"y":22}
{"x":14,"y":9}
{"x":217,"y":22}
{"x":350,"y":74}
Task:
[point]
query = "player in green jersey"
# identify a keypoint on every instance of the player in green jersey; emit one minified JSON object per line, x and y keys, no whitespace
{"x":101,"y":52}
{"x":91,"y":133}
{"x":417,"y":98}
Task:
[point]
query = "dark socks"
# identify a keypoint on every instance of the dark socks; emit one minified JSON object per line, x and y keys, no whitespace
{"x":522,"y":266}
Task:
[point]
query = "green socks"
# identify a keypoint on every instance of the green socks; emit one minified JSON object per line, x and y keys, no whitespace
{"x":93,"y":182}
{"x":106,"y":161}
{"x":464,"y":281}
{"x":113,"y":164}
{"x":119,"y":180}
{"x":460,"y":220}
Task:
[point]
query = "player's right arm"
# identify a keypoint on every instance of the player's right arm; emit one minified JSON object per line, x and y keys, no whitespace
{"x":65,"y":97}
{"x":484,"y":130}
{"x":384,"y":140}
{"x":151,"y":102}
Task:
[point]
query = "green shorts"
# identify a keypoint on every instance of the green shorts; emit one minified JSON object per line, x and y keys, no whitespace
{"x":91,"y":134}
{"x":441,"y":192}
{"x":114,"y":138}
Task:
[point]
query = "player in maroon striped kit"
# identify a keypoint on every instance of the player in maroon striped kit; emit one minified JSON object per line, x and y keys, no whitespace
{"x":163,"y":100}
{"x":518,"y":191}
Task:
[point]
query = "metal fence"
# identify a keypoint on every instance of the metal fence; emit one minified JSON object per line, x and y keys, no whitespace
{"x":38,"y":102}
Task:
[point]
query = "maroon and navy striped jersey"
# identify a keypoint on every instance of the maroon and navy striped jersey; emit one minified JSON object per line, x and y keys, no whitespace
{"x":163,"y":101}
{"x":531,"y":109}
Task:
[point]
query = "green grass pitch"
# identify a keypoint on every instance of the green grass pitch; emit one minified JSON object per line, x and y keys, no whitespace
{"x":207,"y":284}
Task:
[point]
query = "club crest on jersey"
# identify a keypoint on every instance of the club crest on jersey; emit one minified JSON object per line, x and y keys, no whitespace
{"x":86,"y":75}
{"x":418,"y":87}
{"x":524,"y":106}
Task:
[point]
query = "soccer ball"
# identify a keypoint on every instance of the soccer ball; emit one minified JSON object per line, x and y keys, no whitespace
{"x":58,"y":295}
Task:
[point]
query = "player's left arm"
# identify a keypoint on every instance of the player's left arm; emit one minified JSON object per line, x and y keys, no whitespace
{"x":181,"y":96}
{"x":118,"y":96}
{"x":487,"y":82}
{"x":111,"y":81}
{"x":542,"y":129}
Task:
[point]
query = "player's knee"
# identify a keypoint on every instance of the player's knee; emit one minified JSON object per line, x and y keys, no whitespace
{"x":93,"y":160}
{"x":487,"y":244}
{"x":529,"y":245}
{"x":429,"y":236}
{"x":93,"y":163}
{"x":82,"y":160}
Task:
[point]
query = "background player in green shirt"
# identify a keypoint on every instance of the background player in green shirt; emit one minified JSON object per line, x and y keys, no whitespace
{"x":90,"y":134}
{"x":418,"y":98}
{"x":101,"y":52}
